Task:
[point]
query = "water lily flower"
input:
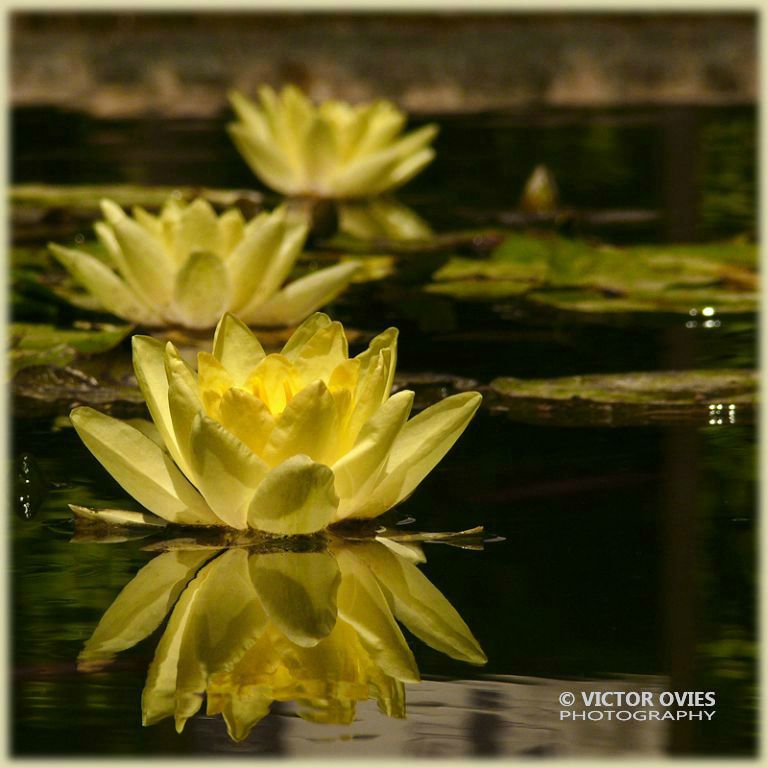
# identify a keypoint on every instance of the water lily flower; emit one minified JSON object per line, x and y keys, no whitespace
{"x":284,"y":443}
{"x":250,"y":627}
{"x":333,"y":149}
{"x":187,"y":266}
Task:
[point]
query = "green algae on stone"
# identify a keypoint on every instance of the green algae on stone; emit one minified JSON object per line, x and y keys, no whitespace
{"x":628,"y":399}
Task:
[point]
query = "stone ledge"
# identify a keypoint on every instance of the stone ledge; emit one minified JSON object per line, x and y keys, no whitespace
{"x":180,"y":65}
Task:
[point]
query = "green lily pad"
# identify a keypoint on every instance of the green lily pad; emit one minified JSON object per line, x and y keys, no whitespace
{"x":577,"y":276}
{"x":630,"y":399}
{"x":480,"y":290}
{"x":34,"y":344}
{"x":88,"y":339}
{"x":480,"y":241}
{"x":88,"y":196}
{"x":59,"y":355}
{"x":105,"y":381}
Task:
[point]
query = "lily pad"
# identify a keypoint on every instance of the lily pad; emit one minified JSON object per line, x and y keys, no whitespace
{"x":480,"y":241}
{"x":577,"y":276}
{"x":630,"y":399}
{"x":106,"y":382}
{"x":87,"y":339}
{"x":34,"y":344}
{"x":88,"y":197}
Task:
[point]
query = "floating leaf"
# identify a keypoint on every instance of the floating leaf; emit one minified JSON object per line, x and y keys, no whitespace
{"x":88,"y":196}
{"x":577,"y":276}
{"x":59,"y":356}
{"x":106,"y":382}
{"x":630,"y":398}
{"x":89,"y":339}
{"x":46,"y":345}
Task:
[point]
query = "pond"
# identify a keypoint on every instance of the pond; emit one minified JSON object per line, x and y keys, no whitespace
{"x":616,"y":556}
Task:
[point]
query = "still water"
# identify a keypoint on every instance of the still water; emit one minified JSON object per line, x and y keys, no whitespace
{"x":617,"y":558}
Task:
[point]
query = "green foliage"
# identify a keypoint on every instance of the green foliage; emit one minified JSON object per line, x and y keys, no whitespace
{"x":43,"y":344}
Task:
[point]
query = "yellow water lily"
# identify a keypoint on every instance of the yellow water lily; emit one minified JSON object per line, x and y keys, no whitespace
{"x":187,"y":266}
{"x":249,"y":627}
{"x":333,"y":149}
{"x":286,"y":443}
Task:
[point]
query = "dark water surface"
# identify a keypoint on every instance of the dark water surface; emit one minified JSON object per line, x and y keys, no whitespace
{"x":629,"y":554}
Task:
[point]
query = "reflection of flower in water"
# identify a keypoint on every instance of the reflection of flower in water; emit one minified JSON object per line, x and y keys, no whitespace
{"x":187,"y":266}
{"x":286,"y":443}
{"x":381,"y":217}
{"x":333,"y":149}
{"x":249,"y":628}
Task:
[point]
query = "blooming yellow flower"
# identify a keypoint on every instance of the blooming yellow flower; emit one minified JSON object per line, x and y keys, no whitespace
{"x":334,"y":149}
{"x":187,"y":266}
{"x":248,"y":628}
{"x":286,"y":443}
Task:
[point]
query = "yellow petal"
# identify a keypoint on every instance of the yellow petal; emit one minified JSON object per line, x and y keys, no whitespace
{"x":359,"y":469}
{"x":274,"y":380}
{"x":344,"y":376}
{"x":148,"y":429}
{"x":142,"y":605}
{"x":146,"y":264}
{"x":122,"y":518}
{"x":184,"y":404}
{"x":264,"y":159}
{"x":250,"y":114}
{"x":247,"y":418}
{"x":226,"y":472}
{"x":143,"y":469}
{"x":304,"y":333}
{"x":363,"y":605}
{"x":322,"y":353}
{"x":149,"y":366}
{"x":198,"y":230}
{"x":99,"y":280}
{"x":232,"y":229}
{"x":370,"y":393}
{"x":308,"y":425}
{"x":302,"y":296}
{"x":236,"y":348}
{"x":213,"y":381}
{"x":420,"y":445}
{"x":420,"y":605}
{"x":406,"y":169}
{"x":107,"y":238}
{"x":321,"y":154}
{"x":298,"y":591}
{"x":202,"y":290}
{"x":295,"y":497}
{"x":250,"y":261}
{"x":386,"y":340}
{"x":278,"y":266}
{"x":382,"y":122}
